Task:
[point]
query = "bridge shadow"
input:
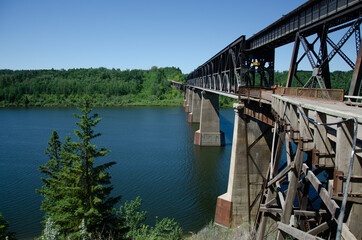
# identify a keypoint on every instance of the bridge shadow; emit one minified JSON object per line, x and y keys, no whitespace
{"x":208,"y":169}
{"x":227,"y":125}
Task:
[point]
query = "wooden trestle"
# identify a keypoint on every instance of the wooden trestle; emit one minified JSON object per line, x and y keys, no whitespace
{"x":303,"y":192}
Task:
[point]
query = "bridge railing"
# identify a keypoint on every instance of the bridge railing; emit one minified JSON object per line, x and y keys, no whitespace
{"x":317,"y":93}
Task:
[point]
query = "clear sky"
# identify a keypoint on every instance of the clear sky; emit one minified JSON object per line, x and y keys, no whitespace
{"x":132,"y":34}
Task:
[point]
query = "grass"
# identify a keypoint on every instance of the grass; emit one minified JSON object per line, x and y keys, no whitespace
{"x":214,"y":232}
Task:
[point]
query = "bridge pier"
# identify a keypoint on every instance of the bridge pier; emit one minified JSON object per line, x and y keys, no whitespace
{"x":209,"y":133}
{"x":188,"y":99}
{"x":251,"y":149}
{"x":194,"y":115}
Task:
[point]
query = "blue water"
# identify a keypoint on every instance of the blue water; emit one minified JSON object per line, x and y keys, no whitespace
{"x":155,"y":156}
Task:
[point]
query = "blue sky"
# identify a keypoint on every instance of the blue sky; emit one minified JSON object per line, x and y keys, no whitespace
{"x":133,"y":34}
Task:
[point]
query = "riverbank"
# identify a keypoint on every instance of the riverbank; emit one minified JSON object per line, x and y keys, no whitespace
{"x":175,"y":99}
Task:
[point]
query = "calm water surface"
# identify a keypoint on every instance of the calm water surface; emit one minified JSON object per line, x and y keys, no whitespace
{"x":155,"y":156}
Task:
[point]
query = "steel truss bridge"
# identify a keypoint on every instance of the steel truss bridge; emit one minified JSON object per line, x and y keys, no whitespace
{"x":308,"y":121}
{"x":250,"y":62}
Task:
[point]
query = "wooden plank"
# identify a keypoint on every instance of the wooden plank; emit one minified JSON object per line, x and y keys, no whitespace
{"x":305,"y":131}
{"x":280,"y":175}
{"x":281,"y":197}
{"x":322,"y":142}
{"x":346,"y":234}
{"x":323,"y":193}
{"x":274,"y":163}
{"x":296,"y":212}
{"x":288,"y":152}
{"x":271,"y":202}
{"x":293,"y":120}
{"x":296,"y":233}
{"x":270,"y":210}
{"x":319,"y":229}
{"x":345,"y":132}
{"x":292,"y":187}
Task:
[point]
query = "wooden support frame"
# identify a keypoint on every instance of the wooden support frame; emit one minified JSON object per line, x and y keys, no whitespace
{"x":296,"y":233}
{"x":314,"y":149}
{"x":323,"y":193}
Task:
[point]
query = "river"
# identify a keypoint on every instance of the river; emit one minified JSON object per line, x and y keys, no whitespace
{"x":155,"y":156}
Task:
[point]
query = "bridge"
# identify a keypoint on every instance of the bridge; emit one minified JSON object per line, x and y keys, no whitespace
{"x":296,"y":160}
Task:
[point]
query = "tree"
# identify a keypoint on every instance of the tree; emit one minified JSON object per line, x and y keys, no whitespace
{"x":133,"y":222}
{"x":96,"y":207}
{"x":76,"y":191}
{"x":51,"y":169}
{"x":4,"y":229}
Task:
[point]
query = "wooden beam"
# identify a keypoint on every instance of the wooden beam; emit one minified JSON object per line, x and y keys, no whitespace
{"x":305,"y":131}
{"x":319,"y":229}
{"x":280,"y":195}
{"x":280,"y":175}
{"x":346,"y":234}
{"x":271,"y":202}
{"x":296,"y":212}
{"x":293,"y":182}
{"x":322,"y":142}
{"x":323,"y":193}
{"x":296,"y":233}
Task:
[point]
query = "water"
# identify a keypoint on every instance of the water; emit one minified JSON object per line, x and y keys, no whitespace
{"x":155,"y":156}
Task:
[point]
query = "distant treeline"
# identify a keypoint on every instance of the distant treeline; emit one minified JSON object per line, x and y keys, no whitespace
{"x":107,"y":87}
{"x":112,"y":87}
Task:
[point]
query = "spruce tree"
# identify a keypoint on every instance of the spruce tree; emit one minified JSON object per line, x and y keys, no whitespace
{"x":50,"y":189}
{"x":4,"y":229}
{"x":77,"y":191}
{"x":96,"y":207}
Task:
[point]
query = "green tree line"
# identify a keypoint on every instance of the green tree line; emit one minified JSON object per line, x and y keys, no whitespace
{"x":339,"y":79}
{"x":113,"y":87}
{"x":108,"y":87}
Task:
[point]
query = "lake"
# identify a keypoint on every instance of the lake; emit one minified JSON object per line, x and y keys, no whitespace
{"x":155,"y":155}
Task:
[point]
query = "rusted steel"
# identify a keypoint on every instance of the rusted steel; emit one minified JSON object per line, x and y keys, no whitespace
{"x":238,"y":64}
{"x":316,"y":93}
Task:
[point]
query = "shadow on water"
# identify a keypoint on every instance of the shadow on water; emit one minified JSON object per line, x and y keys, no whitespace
{"x":227,"y":126}
{"x":208,"y":170}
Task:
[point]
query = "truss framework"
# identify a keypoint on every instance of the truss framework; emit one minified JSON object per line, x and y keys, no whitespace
{"x":298,"y":198}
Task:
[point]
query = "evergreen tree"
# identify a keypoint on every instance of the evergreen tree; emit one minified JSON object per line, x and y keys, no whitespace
{"x":77,"y":192}
{"x":96,"y":207}
{"x":4,"y":229}
{"x":51,"y":169}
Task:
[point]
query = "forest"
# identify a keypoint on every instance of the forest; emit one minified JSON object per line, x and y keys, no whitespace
{"x":112,"y":87}
{"x":108,"y":87}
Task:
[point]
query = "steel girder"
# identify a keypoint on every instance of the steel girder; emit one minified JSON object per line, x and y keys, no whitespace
{"x":234,"y":67}
{"x":251,"y":62}
{"x":320,"y":62}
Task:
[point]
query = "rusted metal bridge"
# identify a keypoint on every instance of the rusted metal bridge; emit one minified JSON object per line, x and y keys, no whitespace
{"x":296,"y":162}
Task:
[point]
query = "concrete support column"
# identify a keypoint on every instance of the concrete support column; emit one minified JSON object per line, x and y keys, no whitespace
{"x":250,"y":156}
{"x":209,"y":133}
{"x":188,"y":101}
{"x":194,"y":115}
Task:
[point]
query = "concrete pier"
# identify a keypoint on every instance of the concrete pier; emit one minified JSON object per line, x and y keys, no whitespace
{"x":209,"y":133}
{"x":194,"y":115}
{"x":250,"y":151}
{"x":188,"y":106}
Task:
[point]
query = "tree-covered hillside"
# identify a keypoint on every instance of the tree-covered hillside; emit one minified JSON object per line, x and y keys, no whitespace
{"x":107,"y":87}
{"x":113,"y":87}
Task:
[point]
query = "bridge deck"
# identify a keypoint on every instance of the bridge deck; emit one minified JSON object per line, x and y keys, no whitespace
{"x":331,"y":108}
